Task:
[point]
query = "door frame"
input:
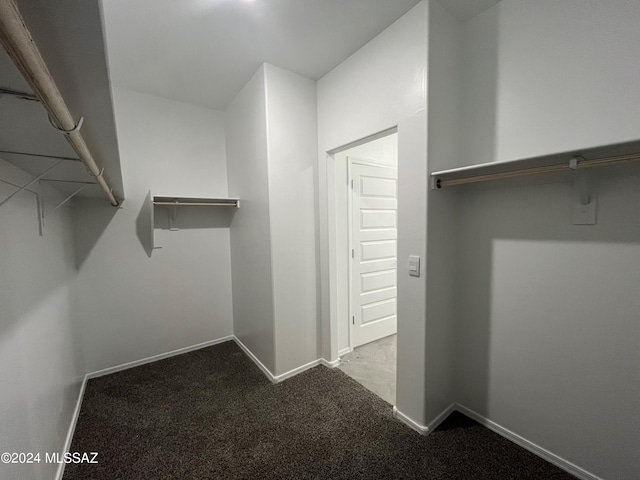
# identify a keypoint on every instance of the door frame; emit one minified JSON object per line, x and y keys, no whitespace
{"x":350,"y":246}
{"x":330,"y":309}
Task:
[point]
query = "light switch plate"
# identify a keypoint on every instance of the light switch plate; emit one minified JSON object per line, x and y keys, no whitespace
{"x":414,"y":265}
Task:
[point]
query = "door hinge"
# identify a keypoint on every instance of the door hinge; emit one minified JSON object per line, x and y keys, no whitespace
{"x":351,"y":183}
{"x":353,"y":320}
{"x":353,"y":253}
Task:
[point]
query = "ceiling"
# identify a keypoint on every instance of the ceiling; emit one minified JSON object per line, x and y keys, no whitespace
{"x":195,"y":51}
{"x":204,"y":51}
{"x":465,"y":9}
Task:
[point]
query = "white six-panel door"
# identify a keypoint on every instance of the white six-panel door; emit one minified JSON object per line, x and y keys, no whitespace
{"x":374,"y":203}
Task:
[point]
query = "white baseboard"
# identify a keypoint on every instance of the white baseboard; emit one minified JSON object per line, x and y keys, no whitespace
{"x":435,"y":423}
{"x":155,"y":358}
{"x":418,"y":427}
{"x":296,"y":371}
{"x":291,"y":373}
{"x":344,"y":351}
{"x":550,"y":457}
{"x":329,"y":364}
{"x":72,"y":427}
{"x":255,"y":359}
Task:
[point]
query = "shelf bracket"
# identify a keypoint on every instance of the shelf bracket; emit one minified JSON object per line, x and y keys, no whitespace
{"x":63,"y":202}
{"x":38,"y":203}
{"x":30,"y":182}
{"x":173,"y":217}
{"x":585,"y":201}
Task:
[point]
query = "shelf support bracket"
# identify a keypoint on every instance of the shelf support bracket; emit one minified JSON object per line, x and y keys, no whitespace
{"x":38,"y":202}
{"x":63,"y":202}
{"x":30,"y":182}
{"x":584,"y":203}
{"x":173,"y":217}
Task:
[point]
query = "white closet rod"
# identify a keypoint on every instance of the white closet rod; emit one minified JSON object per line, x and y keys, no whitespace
{"x":17,"y":41}
{"x":563,"y":167}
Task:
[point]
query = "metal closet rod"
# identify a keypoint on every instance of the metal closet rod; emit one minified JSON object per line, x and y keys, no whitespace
{"x":563,"y":167}
{"x":19,"y":44}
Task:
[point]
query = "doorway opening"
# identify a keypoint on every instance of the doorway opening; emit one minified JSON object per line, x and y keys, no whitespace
{"x":366,"y":179}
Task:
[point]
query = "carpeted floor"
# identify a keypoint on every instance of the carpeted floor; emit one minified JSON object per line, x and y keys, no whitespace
{"x":212,"y":414}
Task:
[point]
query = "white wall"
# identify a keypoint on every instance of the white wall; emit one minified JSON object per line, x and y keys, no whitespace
{"x":383,"y":150}
{"x":546,"y":343}
{"x":445,"y":57}
{"x":40,"y":358}
{"x":131,"y":306}
{"x":247,"y":159}
{"x":381,"y":86}
{"x":292,"y":148}
{"x":543,"y":77}
{"x":547,"y":333}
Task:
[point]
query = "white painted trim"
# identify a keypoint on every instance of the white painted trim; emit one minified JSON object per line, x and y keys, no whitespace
{"x":543,"y":453}
{"x":421,"y":429}
{"x":255,"y":359}
{"x":344,"y":351}
{"x":72,"y":427}
{"x":418,"y":427}
{"x":291,"y":373}
{"x":296,"y":371}
{"x":329,"y":364}
{"x":441,"y":418}
{"x":350,"y":247}
{"x":155,"y":358}
{"x":327,"y":195}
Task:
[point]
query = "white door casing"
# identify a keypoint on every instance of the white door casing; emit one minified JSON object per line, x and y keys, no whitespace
{"x":373,"y":240}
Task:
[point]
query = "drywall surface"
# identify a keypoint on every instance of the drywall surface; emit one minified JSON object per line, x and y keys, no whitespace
{"x":383,"y":150}
{"x":292,"y":154}
{"x":381,"y":86}
{"x":445,"y":58}
{"x":548,"y":333}
{"x":40,"y":359}
{"x":132,"y":306}
{"x":545,"y":76}
{"x":253,"y":307}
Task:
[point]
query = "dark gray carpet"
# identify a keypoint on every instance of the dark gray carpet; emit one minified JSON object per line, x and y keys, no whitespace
{"x":212,"y":414}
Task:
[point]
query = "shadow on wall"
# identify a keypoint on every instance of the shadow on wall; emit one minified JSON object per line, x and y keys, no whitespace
{"x":41,"y":363}
{"x":525,"y":278}
{"x":144,"y":225}
{"x":187,"y":217}
{"x":480,"y":90}
{"x":478,"y":125}
{"x":195,"y":217}
{"x":91,"y":216}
